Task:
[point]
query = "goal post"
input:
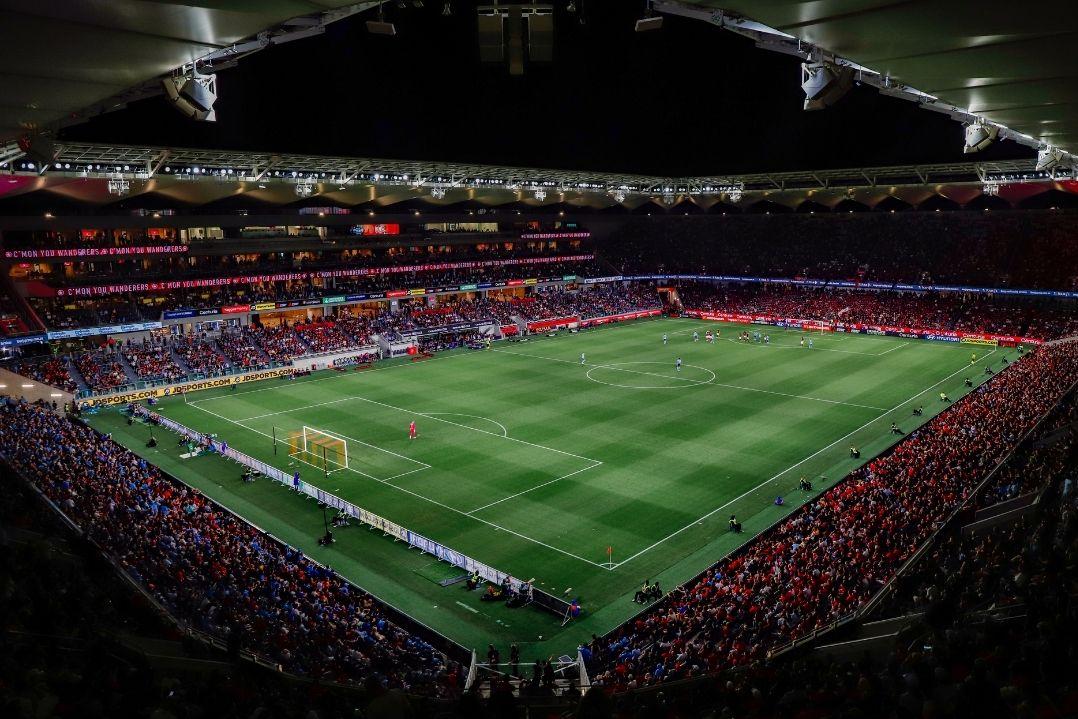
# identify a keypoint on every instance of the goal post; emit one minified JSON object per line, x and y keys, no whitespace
{"x":319,"y":448}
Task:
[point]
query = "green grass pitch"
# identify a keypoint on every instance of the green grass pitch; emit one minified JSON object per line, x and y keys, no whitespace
{"x":535,"y":462}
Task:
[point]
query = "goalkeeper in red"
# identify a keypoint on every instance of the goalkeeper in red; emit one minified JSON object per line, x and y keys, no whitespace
{"x":412,"y":434}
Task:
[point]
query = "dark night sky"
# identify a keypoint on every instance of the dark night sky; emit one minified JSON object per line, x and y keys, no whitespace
{"x":687,"y":100}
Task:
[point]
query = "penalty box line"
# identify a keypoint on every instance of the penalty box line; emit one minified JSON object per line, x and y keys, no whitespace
{"x":793,"y":466}
{"x":435,"y":502}
{"x":425,"y":415}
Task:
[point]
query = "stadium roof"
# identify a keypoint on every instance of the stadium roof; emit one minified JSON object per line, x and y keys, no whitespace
{"x":70,"y":59}
{"x":1008,"y":63}
{"x":95,"y":174}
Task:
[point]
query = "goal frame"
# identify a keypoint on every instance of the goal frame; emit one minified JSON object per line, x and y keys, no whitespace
{"x":308,"y":447}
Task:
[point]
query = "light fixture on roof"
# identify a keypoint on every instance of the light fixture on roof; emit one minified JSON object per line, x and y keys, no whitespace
{"x":540,"y":194}
{"x":668,"y":196}
{"x":649,"y":21}
{"x":118,"y":185}
{"x":437,"y":192}
{"x":447,"y":9}
{"x":990,"y":187}
{"x":734,"y":192}
{"x":619,"y":196}
{"x":571,"y":7}
{"x":192,"y":94}
{"x":304,"y":188}
{"x":1049,"y":158}
{"x":824,"y":83}
{"x":979,"y":135}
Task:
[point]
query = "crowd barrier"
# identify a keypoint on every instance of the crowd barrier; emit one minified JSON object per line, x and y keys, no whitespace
{"x":387,"y":526}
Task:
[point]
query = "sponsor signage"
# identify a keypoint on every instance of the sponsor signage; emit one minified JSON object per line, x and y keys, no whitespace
{"x":178,"y":314}
{"x":235,"y":309}
{"x":183,"y":387}
{"x":103,"y":330}
{"x":22,"y":340}
{"x":333,"y":300}
{"x":889,"y":330}
{"x":291,"y":276}
{"x":263,"y":306}
{"x":555,"y":235}
{"x":620,"y":318}
{"x":467,"y":288}
{"x":81,"y":252}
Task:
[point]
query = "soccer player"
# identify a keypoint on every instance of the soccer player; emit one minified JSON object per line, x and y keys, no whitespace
{"x":810,"y":343}
{"x":944,"y":397}
{"x":802,"y":341}
{"x":767,"y":339}
{"x":707,"y":337}
{"x":665,"y":338}
{"x":973,"y":358}
{"x":677,"y":365}
{"x":412,"y":433}
{"x":583,"y":360}
{"x":695,"y":336}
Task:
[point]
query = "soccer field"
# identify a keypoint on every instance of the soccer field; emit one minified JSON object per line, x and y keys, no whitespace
{"x":536,"y":463}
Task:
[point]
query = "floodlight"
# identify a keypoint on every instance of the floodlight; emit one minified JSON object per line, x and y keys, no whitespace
{"x":980,"y":135}
{"x":824,"y":83}
{"x":193,"y":94}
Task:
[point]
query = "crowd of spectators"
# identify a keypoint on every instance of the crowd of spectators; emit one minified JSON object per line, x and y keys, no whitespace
{"x":101,"y":370}
{"x":242,"y":348}
{"x":281,"y":343}
{"x":987,"y":249}
{"x":209,"y":568}
{"x":1039,"y":318}
{"x":152,"y":360}
{"x":200,"y":354}
{"x":1050,"y":457}
{"x":52,"y":371}
{"x":326,"y":336}
{"x":113,"y":308}
{"x":826,"y":561}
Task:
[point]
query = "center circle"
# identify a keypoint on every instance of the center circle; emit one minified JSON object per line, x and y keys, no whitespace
{"x":649,"y":375}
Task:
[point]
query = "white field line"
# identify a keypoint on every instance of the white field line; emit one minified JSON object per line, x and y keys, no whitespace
{"x":356,"y":398}
{"x":793,"y":466}
{"x":434,"y":501}
{"x":340,"y":375}
{"x":532,"y":489}
{"x":505,"y":432}
{"x":335,"y":375}
{"x":695,"y":382}
{"x":881,"y":354}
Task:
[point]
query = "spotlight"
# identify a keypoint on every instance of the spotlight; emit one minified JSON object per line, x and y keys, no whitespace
{"x":447,"y":9}
{"x":437,"y":193}
{"x":540,"y":194}
{"x":619,"y":196}
{"x":1049,"y":158}
{"x":990,"y":188}
{"x":979,"y":135}
{"x":571,"y":7}
{"x":824,"y":83}
{"x":304,"y":189}
{"x":193,"y":94}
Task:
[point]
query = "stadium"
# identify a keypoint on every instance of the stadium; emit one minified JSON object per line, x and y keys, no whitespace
{"x":579,"y":359}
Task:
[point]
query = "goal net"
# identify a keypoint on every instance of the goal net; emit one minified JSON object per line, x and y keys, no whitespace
{"x":319,"y":448}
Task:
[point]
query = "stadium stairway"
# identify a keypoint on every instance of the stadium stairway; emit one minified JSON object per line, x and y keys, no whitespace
{"x":72,"y":370}
{"x":129,"y":371}
{"x":180,"y":361}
